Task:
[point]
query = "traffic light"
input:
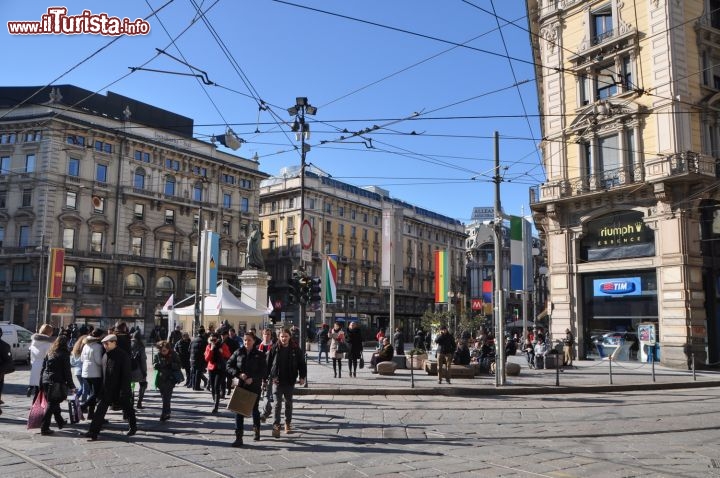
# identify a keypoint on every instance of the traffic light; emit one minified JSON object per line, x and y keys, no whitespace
{"x":304,"y":289}
{"x":315,"y":290}
{"x":294,"y":288}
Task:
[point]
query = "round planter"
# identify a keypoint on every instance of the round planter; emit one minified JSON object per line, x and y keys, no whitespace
{"x":415,"y":362}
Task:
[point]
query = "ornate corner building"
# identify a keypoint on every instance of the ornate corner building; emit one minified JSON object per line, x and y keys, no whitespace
{"x":120,"y":186}
{"x":630,"y":208}
{"x":347,"y":221}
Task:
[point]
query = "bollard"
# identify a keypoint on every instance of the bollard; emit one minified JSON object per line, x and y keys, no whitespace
{"x":692,"y":358}
{"x":412,"y":368}
{"x":653,"y":363}
{"x":610,"y":362}
{"x":557,"y":373}
{"x":306,"y":361}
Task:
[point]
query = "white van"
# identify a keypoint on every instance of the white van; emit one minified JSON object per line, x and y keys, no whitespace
{"x":19,"y":339}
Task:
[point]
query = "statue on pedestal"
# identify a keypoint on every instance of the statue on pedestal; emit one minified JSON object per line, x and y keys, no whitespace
{"x":254,"y":249}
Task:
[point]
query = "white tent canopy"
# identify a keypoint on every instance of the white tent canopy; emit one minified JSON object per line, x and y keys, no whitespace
{"x":218,"y":308}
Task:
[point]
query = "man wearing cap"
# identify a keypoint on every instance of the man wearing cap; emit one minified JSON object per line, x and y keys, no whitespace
{"x":445,"y":350}
{"x":115,"y":387}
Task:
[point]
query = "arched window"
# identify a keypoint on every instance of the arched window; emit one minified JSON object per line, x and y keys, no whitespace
{"x":190,"y":287}
{"x":164,"y":287}
{"x":139,"y":179}
{"x":170,"y":185}
{"x":198,"y":191}
{"x":134,"y":285}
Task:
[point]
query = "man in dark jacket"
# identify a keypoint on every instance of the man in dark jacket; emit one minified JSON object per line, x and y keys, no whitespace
{"x":197,"y":360}
{"x":182,"y":349}
{"x":115,"y":387}
{"x":286,"y":362}
{"x":248,"y":365}
{"x":445,"y":350}
{"x":399,"y":341}
{"x":6,"y":364}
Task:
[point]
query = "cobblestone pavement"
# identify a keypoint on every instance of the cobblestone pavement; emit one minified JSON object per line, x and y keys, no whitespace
{"x":575,"y":430}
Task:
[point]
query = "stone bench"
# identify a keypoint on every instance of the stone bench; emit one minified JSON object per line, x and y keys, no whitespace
{"x":462,"y":371}
{"x":386,"y":368}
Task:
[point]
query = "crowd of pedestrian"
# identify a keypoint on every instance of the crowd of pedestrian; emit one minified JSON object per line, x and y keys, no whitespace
{"x":102,"y":370}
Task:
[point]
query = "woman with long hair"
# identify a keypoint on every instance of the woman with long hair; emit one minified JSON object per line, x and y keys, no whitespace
{"x":56,"y":373}
{"x":337,"y":336}
{"x":166,"y":363}
{"x":91,"y":356}
{"x":39,"y":346}
{"x":76,"y":367}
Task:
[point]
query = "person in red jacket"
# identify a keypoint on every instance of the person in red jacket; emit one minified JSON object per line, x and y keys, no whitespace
{"x":216,"y":355}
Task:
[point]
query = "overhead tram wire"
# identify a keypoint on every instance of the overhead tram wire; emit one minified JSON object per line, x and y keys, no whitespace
{"x":406,"y":68}
{"x":187,"y":63}
{"x":241,"y":74}
{"x":517,"y":87}
{"x":644,"y":39}
{"x":60,"y":109}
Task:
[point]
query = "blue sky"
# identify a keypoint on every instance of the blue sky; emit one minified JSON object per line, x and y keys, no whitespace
{"x":394,"y":64}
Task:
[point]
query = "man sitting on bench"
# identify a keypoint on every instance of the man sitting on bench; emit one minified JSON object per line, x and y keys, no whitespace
{"x":385,"y":354}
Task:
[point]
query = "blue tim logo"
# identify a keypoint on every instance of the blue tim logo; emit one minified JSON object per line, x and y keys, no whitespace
{"x":617,"y":287}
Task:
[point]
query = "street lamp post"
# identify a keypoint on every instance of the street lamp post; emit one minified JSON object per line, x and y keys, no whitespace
{"x":302,"y":133}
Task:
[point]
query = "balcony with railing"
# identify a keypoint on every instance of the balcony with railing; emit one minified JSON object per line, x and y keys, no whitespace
{"x":680,"y":167}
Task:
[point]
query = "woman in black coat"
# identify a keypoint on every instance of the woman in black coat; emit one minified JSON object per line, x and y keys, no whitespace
{"x":248,"y":365}
{"x":56,"y":370}
{"x":354,"y":339}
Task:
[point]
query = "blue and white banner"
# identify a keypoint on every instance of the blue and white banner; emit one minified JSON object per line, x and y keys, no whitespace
{"x":617,"y":287}
{"x":211,"y":259}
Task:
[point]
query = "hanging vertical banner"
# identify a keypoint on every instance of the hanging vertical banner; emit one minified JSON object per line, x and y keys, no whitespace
{"x":516,"y":253}
{"x":442,"y":277}
{"x":331,"y":279}
{"x":392,"y":247}
{"x":57,"y":268}
{"x":212,"y":261}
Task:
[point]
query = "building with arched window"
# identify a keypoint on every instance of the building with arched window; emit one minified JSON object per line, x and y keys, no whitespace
{"x":629,"y":98}
{"x":118,"y":185}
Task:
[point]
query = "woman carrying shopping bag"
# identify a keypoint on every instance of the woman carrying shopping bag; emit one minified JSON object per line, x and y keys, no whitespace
{"x":56,"y":381}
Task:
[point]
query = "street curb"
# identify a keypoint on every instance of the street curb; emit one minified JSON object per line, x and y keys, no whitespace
{"x":507,"y":390}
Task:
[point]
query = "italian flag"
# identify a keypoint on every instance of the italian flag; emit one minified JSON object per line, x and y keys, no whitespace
{"x":331,"y":279}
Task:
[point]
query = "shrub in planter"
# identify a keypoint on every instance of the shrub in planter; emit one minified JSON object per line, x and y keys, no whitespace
{"x":415,"y":358}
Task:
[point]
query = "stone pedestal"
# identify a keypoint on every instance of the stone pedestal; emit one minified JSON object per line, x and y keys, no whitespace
{"x":254,"y":285}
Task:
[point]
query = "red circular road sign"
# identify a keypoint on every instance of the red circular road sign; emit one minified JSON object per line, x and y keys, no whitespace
{"x":306,"y":235}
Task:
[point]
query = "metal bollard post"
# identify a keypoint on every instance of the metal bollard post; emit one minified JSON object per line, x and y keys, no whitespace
{"x":653,"y":363}
{"x":692,"y":357}
{"x":412,"y":368}
{"x":610,"y":363}
{"x":557,"y":373}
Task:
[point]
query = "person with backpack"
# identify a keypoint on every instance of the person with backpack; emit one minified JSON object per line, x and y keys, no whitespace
{"x":138,"y":366}
{"x":216,"y":355}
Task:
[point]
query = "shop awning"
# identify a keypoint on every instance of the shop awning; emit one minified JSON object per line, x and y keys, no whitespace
{"x":541,"y":315}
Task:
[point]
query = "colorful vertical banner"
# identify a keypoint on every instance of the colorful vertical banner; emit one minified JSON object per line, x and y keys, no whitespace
{"x":442,"y":277}
{"x":516,"y":253}
{"x":331,"y":279}
{"x":212,"y":260}
{"x":56,"y":268}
